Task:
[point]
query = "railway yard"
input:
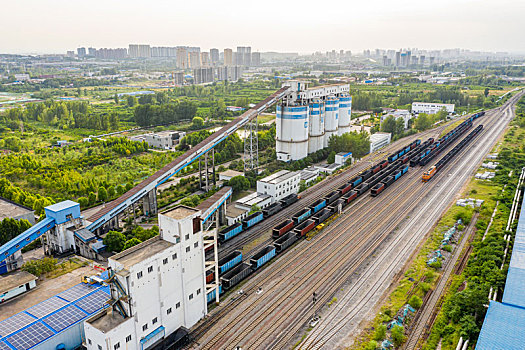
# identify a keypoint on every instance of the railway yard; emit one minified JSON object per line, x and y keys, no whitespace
{"x":341,"y":274}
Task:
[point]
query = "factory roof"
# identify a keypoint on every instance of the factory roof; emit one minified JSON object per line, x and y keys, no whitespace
{"x":253,"y":199}
{"x":231,"y":173}
{"x":10,"y":209}
{"x":211,"y":204}
{"x":378,"y":136}
{"x":142,"y":251}
{"x":85,"y":235}
{"x":106,"y":320}
{"x":180,"y":212}
{"x":278,"y":177}
{"x":15,"y":279}
{"x":234,"y":212}
{"x":307,"y":175}
{"x":61,"y":206}
{"x":45,"y":320}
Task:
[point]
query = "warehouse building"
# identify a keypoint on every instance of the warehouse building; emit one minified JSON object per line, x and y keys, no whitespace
{"x":403,"y":114}
{"x":10,"y":209}
{"x":308,"y":117}
{"x":431,"y":108}
{"x":159,"y":287}
{"x":15,"y":283}
{"x":279,"y":185}
{"x":379,"y":140}
{"x":164,"y":139}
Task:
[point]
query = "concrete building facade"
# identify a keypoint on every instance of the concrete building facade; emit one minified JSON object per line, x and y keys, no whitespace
{"x":279,"y":185}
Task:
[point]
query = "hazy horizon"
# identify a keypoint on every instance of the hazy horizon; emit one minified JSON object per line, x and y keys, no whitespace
{"x":55,"y":26}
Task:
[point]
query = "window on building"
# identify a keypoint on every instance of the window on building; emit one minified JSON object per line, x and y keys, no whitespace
{"x":150,"y":269}
{"x":99,"y":347}
{"x":187,"y":237}
{"x":89,"y":341}
{"x":139,"y":274}
{"x":174,"y":256}
{"x":116,"y":346}
{"x":144,"y":327}
{"x":191,"y":296}
{"x":187,"y":249}
{"x":177,"y":305}
{"x":198,"y":291}
{"x":154,"y":321}
{"x":128,"y":338}
{"x":196,"y":244}
{"x":165,"y":261}
{"x":168,"y":311}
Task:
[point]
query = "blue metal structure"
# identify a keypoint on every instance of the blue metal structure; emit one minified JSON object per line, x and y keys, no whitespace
{"x":56,"y":214}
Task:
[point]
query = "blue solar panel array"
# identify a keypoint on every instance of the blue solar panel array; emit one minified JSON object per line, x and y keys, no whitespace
{"x":504,"y":324}
{"x":52,"y":316}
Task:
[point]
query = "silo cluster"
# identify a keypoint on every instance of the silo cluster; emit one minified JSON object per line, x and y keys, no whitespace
{"x":308,"y":117}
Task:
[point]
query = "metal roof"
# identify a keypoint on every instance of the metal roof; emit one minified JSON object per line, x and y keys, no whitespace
{"x":50,"y":317}
{"x":503,"y":328}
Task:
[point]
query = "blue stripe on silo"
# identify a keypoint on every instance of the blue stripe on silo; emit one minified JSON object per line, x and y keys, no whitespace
{"x":292,"y":109}
{"x":345,"y":105}
{"x":331,"y":109}
{"x":288,"y":116}
{"x":314,"y":112}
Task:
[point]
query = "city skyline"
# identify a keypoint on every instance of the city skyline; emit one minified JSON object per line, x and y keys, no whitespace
{"x":54,"y":26}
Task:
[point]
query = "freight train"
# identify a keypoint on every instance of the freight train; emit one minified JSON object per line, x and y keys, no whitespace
{"x":429,"y":174}
{"x":434,"y":148}
{"x":376,"y":179}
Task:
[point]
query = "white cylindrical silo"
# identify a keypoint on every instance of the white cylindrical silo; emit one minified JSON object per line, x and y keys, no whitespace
{"x":292,"y":131}
{"x":345,"y":105}
{"x":316,"y":119}
{"x":331,"y":122}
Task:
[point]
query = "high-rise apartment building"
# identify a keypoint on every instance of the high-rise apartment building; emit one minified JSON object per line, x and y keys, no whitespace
{"x":92,"y":51}
{"x":214,"y":56}
{"x":81,"y":52}
{"x":194,"y":59}
{"x":205,"y":59}
{"x":203,"y":75}
{"x":139,"y":51}
{"x":182,"y":58}
{"x":228,"y":57}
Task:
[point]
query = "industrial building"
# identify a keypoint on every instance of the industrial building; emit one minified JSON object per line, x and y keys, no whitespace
{"x":403,"y":114}
{"x":431,"y":108}
{"x":379,"y":140}
{"x":163,"y":139}
{"x":10,"y":209}
{"x":308,"y":117}
{"x":279,"y":185}
{"x":15,"y":283}
{"x":157,"y":287}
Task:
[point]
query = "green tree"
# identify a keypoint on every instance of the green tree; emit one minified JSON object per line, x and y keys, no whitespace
{"x":131,"y":100}
{"x":116,"y":99}
{"x":131,"y":242}
{"x":102,"y":194}
{"x":40,"y":267}
{"x":371,"y":345}
{"x":255,"y":208}
{"x":114,"y":241}
{"x":486,"y":92}
{"x":197,"y":123}
{"x":331,"y":158}
{"x":92,"y":198}
{"x":83,"y":201}
{"x":398,"y":335}
{"x":423,"y":122}
{"x":111,"y":192}
{"x":239,"y":183}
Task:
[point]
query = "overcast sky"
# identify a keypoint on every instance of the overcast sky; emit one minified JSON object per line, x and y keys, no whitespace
{"x":54,"y":26}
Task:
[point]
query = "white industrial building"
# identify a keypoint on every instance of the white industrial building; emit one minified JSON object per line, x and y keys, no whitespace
{"x":308,"y":117}
{"x":431,"y":108}
{"x":163,"y":139}
{"x":158,"y":287}
{"x":16,"y":283}
{"x":379,"y":140}
{"x":279,"y":185}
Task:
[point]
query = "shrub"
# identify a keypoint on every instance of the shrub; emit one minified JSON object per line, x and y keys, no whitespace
{"x":435,"y":265}
{"x":415,"y":302}
{"x":372,"y":345}
{"x":39,"y":267}
{"x":448,"y":248}
{"x":398,"y":335}
{"x":425,"y":287}
{"x":380,"y":333}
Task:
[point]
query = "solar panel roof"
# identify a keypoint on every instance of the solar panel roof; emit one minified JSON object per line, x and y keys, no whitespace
{"x":15,"y":323}
{"x":46,"y":307}
{"x":50,"y":317}
{"x":64,"y":318}
{"x":30,"y":336}
{"x":78,"y":291}
{"x":93,"y":302}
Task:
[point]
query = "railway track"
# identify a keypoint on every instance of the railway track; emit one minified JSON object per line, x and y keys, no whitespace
{"x":318,"y":340}
{"x":280,"y":294}
{"x":407,"y":188}
{"x":426,"y":315}
{"x":315,"y":192}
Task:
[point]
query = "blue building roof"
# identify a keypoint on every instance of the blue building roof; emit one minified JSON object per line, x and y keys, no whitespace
{"x":50,"y":317}
{"x":504,"y":324}
{"x":503,"y":328}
